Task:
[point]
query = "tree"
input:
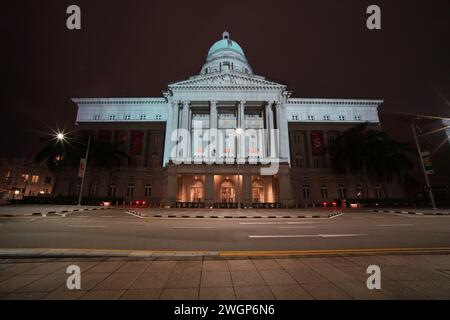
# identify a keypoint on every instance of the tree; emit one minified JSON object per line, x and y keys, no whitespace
{"x":361,"y":150}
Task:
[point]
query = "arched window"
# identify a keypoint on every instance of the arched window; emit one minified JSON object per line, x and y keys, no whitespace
{"x":359,"y":191}
{"x":257,"y":191}
{"x":148,"y":191}
{"x":306,"y":191}
{"x":342,"y":191}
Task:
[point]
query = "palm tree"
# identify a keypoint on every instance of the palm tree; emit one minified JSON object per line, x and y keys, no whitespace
{"x":359,"y":149}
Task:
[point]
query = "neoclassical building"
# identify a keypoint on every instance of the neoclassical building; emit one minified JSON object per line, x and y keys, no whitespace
{"x":222,"y":137}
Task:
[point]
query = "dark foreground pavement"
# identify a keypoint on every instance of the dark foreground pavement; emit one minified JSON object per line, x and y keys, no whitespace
{"x":338,"y":277}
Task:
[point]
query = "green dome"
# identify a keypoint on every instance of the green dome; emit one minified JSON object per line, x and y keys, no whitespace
{"x":225,"y":44}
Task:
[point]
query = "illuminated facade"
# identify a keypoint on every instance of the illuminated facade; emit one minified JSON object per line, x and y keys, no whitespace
{"x":222,"y":137}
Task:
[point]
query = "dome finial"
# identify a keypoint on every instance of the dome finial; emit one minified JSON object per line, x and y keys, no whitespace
{"x":226,"y":35}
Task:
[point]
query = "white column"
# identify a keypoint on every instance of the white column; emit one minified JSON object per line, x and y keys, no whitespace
{"x":269,"y":126}
{"x":284,"y":134}
{"x":175,"y":124}
{"x":185,"y":126}
{"x":241,"y":137}
{"x":213,"y":128}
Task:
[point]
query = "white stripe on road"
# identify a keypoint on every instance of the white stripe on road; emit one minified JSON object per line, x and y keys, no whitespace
{"x":193,"y":228}
{"x":395,"y":225}
{"x":305,"y":236}
{"x":269,"y":223}
{"x":86,"y":226}
{"x":298,"y":227}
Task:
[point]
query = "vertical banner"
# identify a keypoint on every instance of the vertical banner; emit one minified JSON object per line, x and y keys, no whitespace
{"x":82,"y":168}
{"x":137,"y":142}
{"x":428,"y":166}
{"x":317,"y":143}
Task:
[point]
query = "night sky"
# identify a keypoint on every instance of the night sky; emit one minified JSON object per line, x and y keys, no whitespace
{"x":133,"y":48}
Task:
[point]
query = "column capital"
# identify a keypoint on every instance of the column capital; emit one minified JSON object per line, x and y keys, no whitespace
{"x":213,"y":102}
{"x":242,"y":102}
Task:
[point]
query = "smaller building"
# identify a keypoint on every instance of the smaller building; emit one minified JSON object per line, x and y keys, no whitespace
{"x":21,"y":178}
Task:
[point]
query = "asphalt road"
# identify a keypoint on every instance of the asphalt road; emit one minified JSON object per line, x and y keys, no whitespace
{"x":115,"y":229}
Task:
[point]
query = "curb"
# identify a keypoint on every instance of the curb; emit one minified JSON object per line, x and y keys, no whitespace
{"x":42,"y":253}
{"x":171,"y":216}
{"x":62,"y":213}
{"x":414,"y":212}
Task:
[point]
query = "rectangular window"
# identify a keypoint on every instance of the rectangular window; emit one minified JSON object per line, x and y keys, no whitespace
{"x":326,"y":118}
{"x":148,"y":191}
{"x":34,"y":179}
{"x":306,"y":192}
{"x":341,"y":118}
{"x":311,"y":118}
{"x":112,"y":190}
{"x":130,"y":190}
{"x":357,"y":118}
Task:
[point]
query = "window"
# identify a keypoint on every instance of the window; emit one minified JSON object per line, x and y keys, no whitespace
{"x":324,"y":191}
{"x":158,"y":117}
{"x":96,"y":117}
{"x":341,"y":118}
{"x":306,"y":192}
{"x":295,"y":117}
{"x":130,"y":190}
{"x":93,"y":190}
{"x":112,"y":190}
{"x":357,"y":118}
{"x":148,"y":191}
{"x":25,"y":177}
{"x":311,"y":118}
{"x":48,"y":180}
{"x":316,"y":162}
{"x":342,"y":191}
{"x":34,"y":179}
{"x":142,"y":116}
{"x":359,"y":191}
{"x":127,"y":117}
{"x":112,"y":117}
{"x":326,"y":118}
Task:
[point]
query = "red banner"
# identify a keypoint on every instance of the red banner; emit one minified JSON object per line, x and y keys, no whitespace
{"x":137,"y":142}
{"x":317,"y":143}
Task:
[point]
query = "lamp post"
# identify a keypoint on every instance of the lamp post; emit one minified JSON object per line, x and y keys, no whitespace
{"x":84,"y":172}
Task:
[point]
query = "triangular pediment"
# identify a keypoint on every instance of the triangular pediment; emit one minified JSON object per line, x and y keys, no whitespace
{"x":226,"y":80}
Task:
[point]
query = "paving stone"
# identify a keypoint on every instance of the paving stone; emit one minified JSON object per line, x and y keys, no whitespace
{"x":161,"y":266}
{"x":325,"y":291}
{"x":215,"y":265}
{"x":243,"y":278}
{"x":358,"y":273}
{"x":216,"y":279}
{"x":106,"y":266}
{"x":316,"y":262}
{"x":24,"y":296}
{"x":142,"y":294}
{"x":241,"y":265}
{"x":45,"y":284}
{"x":17,"y":282}
{"x":117,"y":281}
{"x":134,"y":266}
{"x":254,"y":293}
{"x":359,"y":291}
{"x":48,"y":268}
{"x":151,"y":280}
{"x":307,"y":276}
{"x":272,"y":277}
{"x":335,"y":275}
{"x":19,"y":268}
{"x":291,"y":263}
{"x":217,"y":293}
{"x":65,"y":295}
{"x":266,"y":264}
{"x":84,"y":265}
{"x":340,"y":262}
{"x":290,"y":292}
{"x":184,"y":279}
{"x":103,"y":295}
{"x":435,"y":289}
{"x":189,"y":265}
{"x":401,"y":291}
{"x":179,"y":294}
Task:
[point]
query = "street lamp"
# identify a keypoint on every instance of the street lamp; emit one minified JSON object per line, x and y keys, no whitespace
{"x":60,"y":136}
{"x":84,"y":170}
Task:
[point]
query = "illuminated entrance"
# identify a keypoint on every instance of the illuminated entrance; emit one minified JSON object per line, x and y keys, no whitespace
{"x":257,"y":191}
{"x":197,"y":191}
{"x":227,"y":192}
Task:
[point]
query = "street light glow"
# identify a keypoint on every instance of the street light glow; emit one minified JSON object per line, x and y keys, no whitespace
{"x":60,"y":136}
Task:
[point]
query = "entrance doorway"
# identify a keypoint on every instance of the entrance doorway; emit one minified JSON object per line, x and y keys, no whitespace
{"x":227,"y":192}
{"x":197,"y":191}
{"x":257,"y":192}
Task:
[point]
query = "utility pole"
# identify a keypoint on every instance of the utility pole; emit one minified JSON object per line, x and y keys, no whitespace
{"x":84,"y":173}
{"x":427,"y":180}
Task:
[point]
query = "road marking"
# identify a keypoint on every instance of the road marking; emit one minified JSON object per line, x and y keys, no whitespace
{"x":338,"y":215}
{"x":269,"y":223}
{"x":395,"y":225}
{"x":298,"y":227}
{"x":193,"y":228}
{"x":305,"y":236}
{"x":85,"y":226}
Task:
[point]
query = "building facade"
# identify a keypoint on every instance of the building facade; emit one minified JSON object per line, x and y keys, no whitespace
{"x":222,"y":137}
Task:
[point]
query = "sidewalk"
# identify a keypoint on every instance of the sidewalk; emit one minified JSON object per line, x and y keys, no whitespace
{"x":415,"y":211}
{"x":42,"y":210}
{"x":339,"y":277}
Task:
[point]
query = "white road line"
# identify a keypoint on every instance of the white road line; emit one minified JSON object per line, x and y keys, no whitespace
{"x":86,"y":226}
{"x":338,"y":215}
{"x":395,"y":225}
{"x":193,"y":228}
{"x":273,"y":223}
{"x":305,"y":236}
{"x":298,"y":227}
